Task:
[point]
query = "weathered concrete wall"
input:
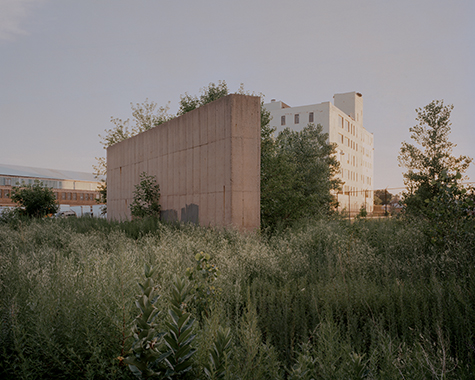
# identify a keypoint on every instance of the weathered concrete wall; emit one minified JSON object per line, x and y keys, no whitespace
{"x":207,"y":163}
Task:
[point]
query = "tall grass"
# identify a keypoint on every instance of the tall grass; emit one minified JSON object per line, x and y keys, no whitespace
{"x":325,"y":299}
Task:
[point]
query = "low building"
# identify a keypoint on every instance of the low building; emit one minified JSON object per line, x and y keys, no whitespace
{"x":71,"y":188}
{"x":343,"y":121}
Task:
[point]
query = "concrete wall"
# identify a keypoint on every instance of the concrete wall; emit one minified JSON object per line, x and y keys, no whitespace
{"x":207,"y":163}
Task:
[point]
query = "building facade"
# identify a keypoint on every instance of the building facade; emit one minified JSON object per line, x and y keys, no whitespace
{"x":70,"y":188}
{"x":343,"y":122}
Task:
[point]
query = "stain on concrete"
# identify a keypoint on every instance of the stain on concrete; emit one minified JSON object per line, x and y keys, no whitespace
{"x":169,"y":215}
{"x":190,"y":213}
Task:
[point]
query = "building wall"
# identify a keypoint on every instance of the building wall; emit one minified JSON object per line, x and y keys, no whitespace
{"x":207,"y":163}
{"x":74,"y":193}
{"x":343,"y":122}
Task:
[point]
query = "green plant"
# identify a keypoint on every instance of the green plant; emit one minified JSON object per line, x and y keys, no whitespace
{"x":180,"y":331}
{"x":298,"y":173}
{"x":208,"y":94}
{"x":362,"y":213}
{"x":202,"y":278}
{"x":34,"y":200}
{"x":430,"y":164}
{"x":219,"y":356}
{"x":146,"y":198}
{"x":144,"y":357}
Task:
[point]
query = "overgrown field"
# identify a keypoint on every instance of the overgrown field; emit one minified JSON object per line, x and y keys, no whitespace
{"x":324,"y":300}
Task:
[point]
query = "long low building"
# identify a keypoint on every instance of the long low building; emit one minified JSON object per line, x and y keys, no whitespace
{"x":70,"y":188}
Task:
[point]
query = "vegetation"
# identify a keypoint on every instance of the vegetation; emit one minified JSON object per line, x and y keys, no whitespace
{"x":382,"y":197}
{"x":432,"y":170}
{"x":297,"y":176}
{"x":146,"y":201}
{"x":324,"y":299}
{"x":34,"y":200}
{"x":434,"y":176}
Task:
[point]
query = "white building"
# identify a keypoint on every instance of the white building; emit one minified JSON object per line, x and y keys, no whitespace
{"x":343,"y":121}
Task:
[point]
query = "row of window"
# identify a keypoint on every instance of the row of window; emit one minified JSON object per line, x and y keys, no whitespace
{"x":54,"y":184}
{"x":353,"y":129}
{"x":348,"y":142}
{"x":297,"y":118}
{"x":4,"y":193}
{"x":349,"y":127}
{"x":353,"y":176}
{"x":76,"y":196}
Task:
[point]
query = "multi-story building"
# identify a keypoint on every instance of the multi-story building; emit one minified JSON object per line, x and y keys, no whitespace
{"x":71,"y":188}
{"x":343,"y":121}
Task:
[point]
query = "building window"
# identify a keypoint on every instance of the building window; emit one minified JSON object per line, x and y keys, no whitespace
{"x":310,"y":117}
{"x":81,"y":196}
{"x":75,"y":196}
{"x":282,"y":120}
{"x":63,"y":195}
{"x":296,"y":118}
{"x":341,"y":122}
{"x":1,"y":193}
{"x":340,"y":138}
{"x":6,"y":194}
{"x":69,"y":196}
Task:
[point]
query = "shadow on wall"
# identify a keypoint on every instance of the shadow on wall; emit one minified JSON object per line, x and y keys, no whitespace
{"x":189,"y":213}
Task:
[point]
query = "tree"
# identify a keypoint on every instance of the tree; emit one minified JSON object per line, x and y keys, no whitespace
{"x":382,"y":197}
{"x":34,"y":200}
{"x":208,"y":94}
{"x":298,"y":172}
{"x":146,"y":198}
{"x":433,"y":172}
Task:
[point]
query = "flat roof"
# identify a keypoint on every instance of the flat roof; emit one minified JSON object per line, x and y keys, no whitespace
{"x":29,"y":171}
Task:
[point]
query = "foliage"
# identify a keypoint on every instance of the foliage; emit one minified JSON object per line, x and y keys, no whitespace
{"x":220,"y":354}
{"x":202,"y":277}
{"x":145,"y":116}
{"x":146,"y":198}
{"x":451,"y":212}
{"x":208,"y":94}
{"x":144,"y":357}
{"x":298,"y":172}
{"x":432,"y":170}
{"x":34,"y":200}
{"x":180,"y":331}
{"x":370,"y":298}
{"x":102,"y":200}
{"x":382,"y":197}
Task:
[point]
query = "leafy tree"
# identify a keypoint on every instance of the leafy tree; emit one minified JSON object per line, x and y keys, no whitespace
{"x":432,"y":169}
{"x":383,"y":196}
{"x":208,"y":94}
{"x":146,"y":198}
{"x":297,"y":175}
{"x":34,"y":200}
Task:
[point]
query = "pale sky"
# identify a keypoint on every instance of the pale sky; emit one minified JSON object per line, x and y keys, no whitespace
{"x":67,"y":66}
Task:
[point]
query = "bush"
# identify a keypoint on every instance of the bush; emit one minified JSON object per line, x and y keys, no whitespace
{"x":146,"y":198}
{"x":34,"y":200}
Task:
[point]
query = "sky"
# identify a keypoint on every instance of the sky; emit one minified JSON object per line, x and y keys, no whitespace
{"x":68,"y":66}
